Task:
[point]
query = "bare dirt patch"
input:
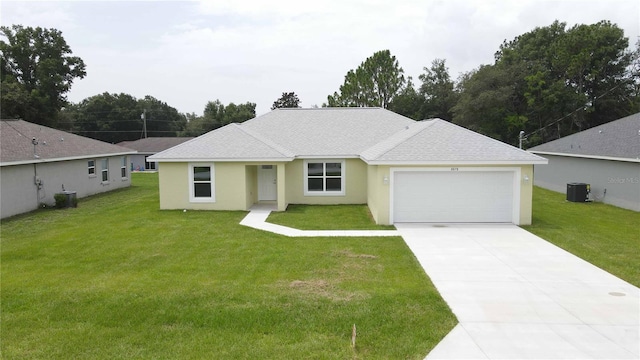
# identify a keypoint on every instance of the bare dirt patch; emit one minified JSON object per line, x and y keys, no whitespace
{"x":324,"y":289}
{"x":349,"y":254}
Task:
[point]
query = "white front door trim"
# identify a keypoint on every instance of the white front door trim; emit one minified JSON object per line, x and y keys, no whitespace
{"x":267,"y":183}
{"x":516,"y":183}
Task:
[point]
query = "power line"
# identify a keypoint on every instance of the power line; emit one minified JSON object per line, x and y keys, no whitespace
{"x":121,"y":131}
{"x":18,"y":131}
{"x":87,"y":121}
{"x":574,"y":111}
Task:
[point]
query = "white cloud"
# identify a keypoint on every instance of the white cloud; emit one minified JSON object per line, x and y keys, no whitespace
{"x":188,"y":53}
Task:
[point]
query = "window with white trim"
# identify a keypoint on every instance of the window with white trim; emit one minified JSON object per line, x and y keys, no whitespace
{"x":123,"y":167}
{"x":149,"y":165}
{"x":91,"y":168}
{"x":104,"y":169}
{"x":324,"y":177}
{"x":201,"y":183}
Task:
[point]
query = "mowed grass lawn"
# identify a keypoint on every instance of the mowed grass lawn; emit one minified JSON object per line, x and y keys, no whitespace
{"x":117,"y":278}
{"x":327,"y":217}
{"x":604,"y":235}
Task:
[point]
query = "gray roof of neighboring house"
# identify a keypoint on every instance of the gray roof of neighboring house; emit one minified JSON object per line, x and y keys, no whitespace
{"x":615,"y":139}
{"x":153,"y":145}
{"x":438,"y":140}
{"x":373,"y":134}
{"x":16,"y":144}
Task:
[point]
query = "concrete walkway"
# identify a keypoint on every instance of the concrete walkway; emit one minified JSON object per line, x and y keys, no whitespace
{"x":518,"y":296}
{"x":257,"y":219}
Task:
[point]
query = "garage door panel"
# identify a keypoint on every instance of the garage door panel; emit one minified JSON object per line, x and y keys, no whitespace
{"x":464,"y":196}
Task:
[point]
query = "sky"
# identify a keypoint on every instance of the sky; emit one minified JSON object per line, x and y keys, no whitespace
{"x":187,"y":53}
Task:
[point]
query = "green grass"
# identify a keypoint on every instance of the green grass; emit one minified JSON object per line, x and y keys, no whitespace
{"x":116,"y":278}
{"x":604,"y":235}
{"x":327,"y":217}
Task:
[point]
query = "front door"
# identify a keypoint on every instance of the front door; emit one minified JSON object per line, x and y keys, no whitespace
{"x":267,"y":183}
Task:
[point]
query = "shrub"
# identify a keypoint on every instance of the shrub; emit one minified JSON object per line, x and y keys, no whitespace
{"x":61,"y":200}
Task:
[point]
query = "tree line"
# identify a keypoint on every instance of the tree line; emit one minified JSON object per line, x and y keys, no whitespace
{"x":549,"y":82}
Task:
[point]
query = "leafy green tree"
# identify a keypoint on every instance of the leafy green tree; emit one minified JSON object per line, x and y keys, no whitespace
{"x":437,"y":89}
{"x":162,"y":119}
{"x":117,"y":117}
{"x":107,"y":117}
{"x":488,"y":102}
{"x":374,"y":83}
{"x":37,"y":71}
{"x":217,"y":115}
{"x":287,"y":100}
{"x":551,"y":82}
{"x":408,"y":102}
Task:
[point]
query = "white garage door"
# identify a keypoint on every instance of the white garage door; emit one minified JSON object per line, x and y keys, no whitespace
{"x":453,"y":196}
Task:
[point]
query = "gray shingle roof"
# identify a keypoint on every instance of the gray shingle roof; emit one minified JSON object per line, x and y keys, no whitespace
{"x":618,"y":139}
{"x":438,"y":140}
{"x":16,"y":144}
{"x":230,"y":142}
{"x":153,"y":145}
{"x":374,"y":134}
{"x":328,"y":131}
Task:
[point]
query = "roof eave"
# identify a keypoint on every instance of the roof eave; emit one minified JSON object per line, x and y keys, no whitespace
{"x":612,"y":158}
{"x":327,"y":157}
{"x":70,"y":158}
{"x":193,"y":160}
{"x":456,"y":162}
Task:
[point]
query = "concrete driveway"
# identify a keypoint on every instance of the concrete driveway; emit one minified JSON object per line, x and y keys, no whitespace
{"x":519,"y":297}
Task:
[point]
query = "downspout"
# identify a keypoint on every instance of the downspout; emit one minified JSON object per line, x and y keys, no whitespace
{"x":36,"y":180}
{"x":37,"y":183}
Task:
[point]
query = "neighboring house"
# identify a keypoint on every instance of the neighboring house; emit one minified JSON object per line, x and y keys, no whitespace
{"x":37,"y":162}
{"x":406,"y":171}
{"x":606,"y":156}
{"x":147,"y":147}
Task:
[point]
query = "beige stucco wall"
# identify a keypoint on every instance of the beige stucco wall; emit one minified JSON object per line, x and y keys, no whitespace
{"x":236,"y":186}
{"x":19,"y":194}
{"x":251,"y":176}
{"x":229,"y":183}
{"x":373,"y":191}
{"x":379,"y":191}
{"x":355,"y":173}
{"x":526,"y":194}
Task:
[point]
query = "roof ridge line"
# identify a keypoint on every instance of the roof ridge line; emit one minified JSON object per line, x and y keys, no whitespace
{"x":415,"y":131}
{"x":275,"y":146}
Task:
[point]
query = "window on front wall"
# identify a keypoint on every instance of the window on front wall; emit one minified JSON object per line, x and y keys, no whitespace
{"x":201,"y":183}
{"x":324,"y":177}
{"x":123,"y":167}
{"x":91,"y":168}
{"x":104,"y":168}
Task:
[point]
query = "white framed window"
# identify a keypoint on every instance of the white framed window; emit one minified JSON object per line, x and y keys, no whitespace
{"x":91,"y":168}
{"x":202,"y":183}
{"x":149,"y":165}
{"x":104,"y":170}
{"x":324,"y":177}
{"x":123,"y":167}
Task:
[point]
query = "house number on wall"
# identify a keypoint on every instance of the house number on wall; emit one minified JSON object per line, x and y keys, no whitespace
{"x":454,"y":169}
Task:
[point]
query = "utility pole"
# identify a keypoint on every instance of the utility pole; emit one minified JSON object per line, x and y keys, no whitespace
{"x":521,"y":137}
{"x":144,"y":122}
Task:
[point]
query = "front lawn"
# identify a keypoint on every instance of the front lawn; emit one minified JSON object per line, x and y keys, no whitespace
{"x":116,"y":278}
{"x":604,"y":235}
{"x":327,"y":217}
